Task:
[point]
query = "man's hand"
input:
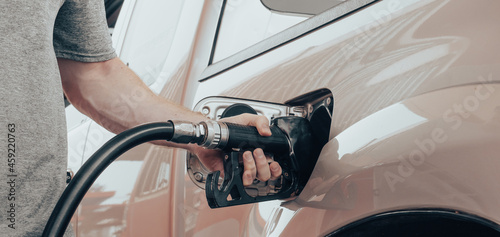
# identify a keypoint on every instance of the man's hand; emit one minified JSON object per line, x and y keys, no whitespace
{"x":256,"y":165}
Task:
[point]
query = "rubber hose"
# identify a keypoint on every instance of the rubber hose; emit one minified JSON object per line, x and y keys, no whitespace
{"x":95,"y":165}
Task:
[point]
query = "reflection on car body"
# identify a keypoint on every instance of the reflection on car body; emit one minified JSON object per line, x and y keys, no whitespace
{"x":413,"y":131}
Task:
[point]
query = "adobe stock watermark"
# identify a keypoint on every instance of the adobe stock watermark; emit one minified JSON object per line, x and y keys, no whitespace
{"x":424,"y":148}
{"x":367,"y":33}
{"x":122,"y":106}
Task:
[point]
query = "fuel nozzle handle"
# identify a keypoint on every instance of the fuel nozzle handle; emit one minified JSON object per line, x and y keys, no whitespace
{"x":229,"y":136}
{"x":290,"y":144}
{"x":247,"y":137}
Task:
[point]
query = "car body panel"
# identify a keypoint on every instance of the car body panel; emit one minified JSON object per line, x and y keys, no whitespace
{"x":369,"y":67}
{"x":413,"y":154}
{"x":403,"y":75}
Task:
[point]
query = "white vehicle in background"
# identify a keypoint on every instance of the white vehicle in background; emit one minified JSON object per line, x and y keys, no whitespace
{"x":403,"y":97}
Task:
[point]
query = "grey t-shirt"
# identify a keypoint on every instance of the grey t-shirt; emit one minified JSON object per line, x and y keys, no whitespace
{"x":32,"y":122}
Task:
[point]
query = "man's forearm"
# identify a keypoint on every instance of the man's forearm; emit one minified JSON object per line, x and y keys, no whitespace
{"x":113,"y":96}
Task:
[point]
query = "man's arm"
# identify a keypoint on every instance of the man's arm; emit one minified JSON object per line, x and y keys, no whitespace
{"x":116,"y":98}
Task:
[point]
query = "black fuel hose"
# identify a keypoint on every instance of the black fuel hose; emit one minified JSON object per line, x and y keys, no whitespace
{"x":209,"y":134}
{"x":95,"y":165}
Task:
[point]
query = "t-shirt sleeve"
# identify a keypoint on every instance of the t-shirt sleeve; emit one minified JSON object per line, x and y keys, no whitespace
{"x":81,"y":32}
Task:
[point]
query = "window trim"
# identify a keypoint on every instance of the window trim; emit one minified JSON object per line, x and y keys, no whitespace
{"x":217,"y":29}
{"x":281,"y":38}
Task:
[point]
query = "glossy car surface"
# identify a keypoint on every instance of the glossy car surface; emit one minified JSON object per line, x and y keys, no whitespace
{"x":411,"y":89}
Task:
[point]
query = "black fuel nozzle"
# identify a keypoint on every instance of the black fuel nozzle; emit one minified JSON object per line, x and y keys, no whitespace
{"x":290,"y":145}
{"x":230,"y":136}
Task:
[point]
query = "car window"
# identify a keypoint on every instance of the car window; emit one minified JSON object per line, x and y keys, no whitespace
{"x":236,"y":43}
{"x":113,"y":8}
{"x":246,"y":22}
{"x":147,"y":44}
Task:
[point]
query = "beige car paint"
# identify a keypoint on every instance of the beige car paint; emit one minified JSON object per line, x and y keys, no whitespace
{"x":405,"y":56}
{"x":416,"y":120}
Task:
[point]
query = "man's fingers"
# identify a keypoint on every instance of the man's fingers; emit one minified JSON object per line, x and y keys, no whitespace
{"x":262,"y":125}
{"x":263,"y":172}
{"x":255,"y":163}
{"x":249,"y":170}
{"x":275,"y":170}
{"x":256,"y":166}
{"x":258,"y":121}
